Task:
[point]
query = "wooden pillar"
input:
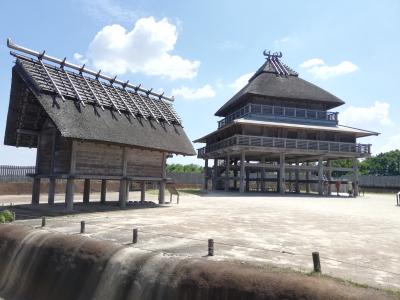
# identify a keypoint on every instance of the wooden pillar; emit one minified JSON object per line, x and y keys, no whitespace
{"x":242,"y":170}
{"x":36,"y":191}
{"x":123,"y":182}
{"x":69,"y":193}
{"x":297,"y":178}
{"x":52,"y":191}
{"x":307,"y":179}
{"x":122,"y":192}
{"x":263,"y":183}
{"x":52,"y":181}
{"x":70,"y":188}
{"x":320,"y":176}
{"x":290,"y":180}
{"x":227,"y":181}
{"x":247,"y":177}
{"x":142,"y":191}
{"x":215,"y":175}
{"x":103,"y":191}
{"x":86,"y":191}
{"x":329,"y":177}
{"x":205,"y":186}
{"x":282,"y":186}
{"x":161,"y":194}
{"x":355,"y":177}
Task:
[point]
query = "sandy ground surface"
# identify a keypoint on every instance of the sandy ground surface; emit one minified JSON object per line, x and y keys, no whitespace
{"x":358,"y":239}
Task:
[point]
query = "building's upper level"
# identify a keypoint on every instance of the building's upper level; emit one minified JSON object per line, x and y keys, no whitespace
{"x":276,"y":84}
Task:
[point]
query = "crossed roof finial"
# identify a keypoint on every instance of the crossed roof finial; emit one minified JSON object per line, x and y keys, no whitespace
{"x":274,"y":55}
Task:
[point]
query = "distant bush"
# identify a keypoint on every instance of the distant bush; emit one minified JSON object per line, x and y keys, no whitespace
{"x":179,"y":168}
{"x":6,"y":216}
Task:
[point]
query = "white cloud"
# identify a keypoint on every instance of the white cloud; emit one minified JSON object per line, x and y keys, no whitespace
{"x":145,"y":49}
{"x":319,"y":69}
{"x":376,"y":114}
{"x":109,"y":11}
{"x":79,"y":58}
{"x":185,"y":92}
{"x":241,"y":81}
{"x":392,"y":144}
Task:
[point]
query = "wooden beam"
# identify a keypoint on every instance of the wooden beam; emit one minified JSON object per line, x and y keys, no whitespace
{"x":28,"y":132}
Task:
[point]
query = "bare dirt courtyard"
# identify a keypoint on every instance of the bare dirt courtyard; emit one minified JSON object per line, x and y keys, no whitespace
{"x":358,"y":239}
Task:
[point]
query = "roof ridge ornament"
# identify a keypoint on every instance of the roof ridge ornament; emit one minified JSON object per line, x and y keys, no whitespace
{"x":275,"y":62}
{"x":274,"y":55}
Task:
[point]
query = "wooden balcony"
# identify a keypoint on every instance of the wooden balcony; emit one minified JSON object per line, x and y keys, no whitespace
{"x":277,"y":144}
{"x":280,"y":113}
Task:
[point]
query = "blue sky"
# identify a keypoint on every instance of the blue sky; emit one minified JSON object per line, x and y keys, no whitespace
{"x":202,"y":51}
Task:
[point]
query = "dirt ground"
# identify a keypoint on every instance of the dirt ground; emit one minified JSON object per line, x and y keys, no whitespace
{"x":358,"y":238}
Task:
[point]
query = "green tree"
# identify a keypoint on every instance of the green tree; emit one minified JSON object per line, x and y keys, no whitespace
{"x":384,"y":164}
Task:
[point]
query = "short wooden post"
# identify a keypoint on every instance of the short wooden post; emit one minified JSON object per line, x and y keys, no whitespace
{"x":135,"y":236}
{"x":43,"y":221}
{"x":82,"y":226}
{"x":103,"y":191}
{"x":52,"y":191}
{"x":316,"y":262}
{"x":210,"y":247}
{"x":86,"y":191}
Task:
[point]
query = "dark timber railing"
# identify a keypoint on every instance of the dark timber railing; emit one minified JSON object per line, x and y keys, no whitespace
{"x":280,"y":112}
{"x":272,"y":142}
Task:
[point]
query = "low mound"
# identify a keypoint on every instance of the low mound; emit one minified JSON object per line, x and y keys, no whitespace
{"x":36,"y":264}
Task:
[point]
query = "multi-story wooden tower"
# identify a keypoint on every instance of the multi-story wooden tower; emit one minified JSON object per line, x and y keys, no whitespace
{"x":277,"y":126}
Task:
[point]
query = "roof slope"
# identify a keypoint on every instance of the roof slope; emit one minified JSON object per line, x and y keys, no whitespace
{"x":104,"y":112}
{"x":270,"y":82}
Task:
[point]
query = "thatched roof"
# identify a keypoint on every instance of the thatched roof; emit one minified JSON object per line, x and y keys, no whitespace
{"x":91,"y":110}
{"x":268,"y":82}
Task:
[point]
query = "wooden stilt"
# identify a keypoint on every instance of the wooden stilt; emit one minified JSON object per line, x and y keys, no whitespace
{"x":205,"y":185}
{"x":282,"y":188}
{"x":52,"y":191}
{"x":103,"y":191}
{"x":297,"y":178}
{"x":355,"y":177}
{"x":122,"y":193}
{"x":161,"y":193}
{"x":215,"y":175}
{"x":329,"y":165}
{"x":227,"y":181}
{"x":69,"y":194}
{"x":320,"y":176}
{"x":142,"y":191}
{"x":86,"y":191}
{"x":242,"y":171}
{"x":36,"y":191}
{"x":263,"y":183}
{"x":307,"y":179}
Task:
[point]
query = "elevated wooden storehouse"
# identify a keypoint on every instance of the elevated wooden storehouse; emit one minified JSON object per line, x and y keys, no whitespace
{"x":277,"y":126}
{"x":86,"y":125}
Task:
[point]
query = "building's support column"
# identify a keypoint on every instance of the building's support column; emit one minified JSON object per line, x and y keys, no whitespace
{"x":297,"y":178}
{"x":52,"y":180}
{"x":36,"y":191}
{"x":52,"y":190}
{"x":263,"y":183}
{"x":122,"y":192}
{"x":227,"y":179}
{"x":307,"y":179}
{"x":235,"y":174}
{"x":142,"y":191}
{"x":215,"y":175}
{"x":290,"y":180}
{"x":161,"y":194}
{"x":329,"y":177}
{"x":242,"y":170}
{"x":69,"y":193}
{"x":124,"y":181}
{"x":320,"y":176}
{"x":103,"y":191}
{"x":355,"y":177}
{"x":247,"y":178}
{"x":206,"y":174}
{"x":70,"y":188}
{"x":86,"y":191}
{"x":282,"y":173}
